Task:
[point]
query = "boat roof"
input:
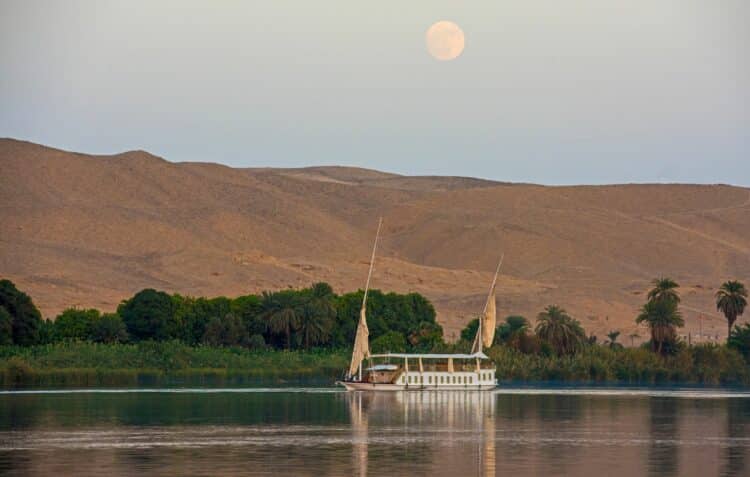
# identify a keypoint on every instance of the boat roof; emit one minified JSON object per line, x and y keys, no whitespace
{"x":383,"y":367}
{"x":431,"y":356}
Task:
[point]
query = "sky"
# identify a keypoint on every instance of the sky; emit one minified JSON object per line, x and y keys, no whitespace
{"x":546,"y":91}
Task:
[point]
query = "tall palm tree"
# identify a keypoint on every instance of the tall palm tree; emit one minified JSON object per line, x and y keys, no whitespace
{"x":664,"y":289}
{"x":317,"y":315}
{"x":731,"y":299}
{"x":662,"y":318}
{"x":281,"y":311}
{"x":560,"y":330}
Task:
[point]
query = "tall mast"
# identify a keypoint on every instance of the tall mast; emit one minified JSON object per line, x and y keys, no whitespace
{"x":372,"y":262}
{"x":361,"y":340}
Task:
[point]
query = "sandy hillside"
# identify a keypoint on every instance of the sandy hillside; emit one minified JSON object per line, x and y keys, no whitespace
{"x":87,"y":230}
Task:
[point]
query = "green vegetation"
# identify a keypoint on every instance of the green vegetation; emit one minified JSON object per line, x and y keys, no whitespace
{"x":563,"y":333}
{"x":77,"y":363}
{"x":662,"y":319}
{"x":25,"y":317}
{"x":702,"y":364}
{"x":156,"y":338}
{"x":309,"y":318}
{"x":731,"y":299}
{"x":739,"y":339}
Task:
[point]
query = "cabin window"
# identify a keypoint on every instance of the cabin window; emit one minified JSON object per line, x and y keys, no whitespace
{"x":454,"y":380}
{"x":429,"y":379}
{"x":442,"y":379}
{"x":471,"y":379}
{"x":421,"y":379}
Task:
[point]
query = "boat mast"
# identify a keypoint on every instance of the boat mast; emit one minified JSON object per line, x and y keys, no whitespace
{"x":477,"y":348}
{"x":372,"y":262}
{"x":361,"y":345}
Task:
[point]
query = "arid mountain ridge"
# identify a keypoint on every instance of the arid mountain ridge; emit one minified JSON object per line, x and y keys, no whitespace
{"x":88,"y":230}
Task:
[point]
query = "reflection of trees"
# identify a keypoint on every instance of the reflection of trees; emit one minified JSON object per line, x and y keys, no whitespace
{"x":164,"y":409}
{"x":544,"y":417}
{"x":737,"y":420}
{"x":663,"y":453}
{"x":19,"y":412}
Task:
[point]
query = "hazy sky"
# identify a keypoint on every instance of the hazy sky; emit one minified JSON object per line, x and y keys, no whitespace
{"x":549,"y":91}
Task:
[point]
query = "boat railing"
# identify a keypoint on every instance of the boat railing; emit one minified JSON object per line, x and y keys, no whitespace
{"x":439,"y":367}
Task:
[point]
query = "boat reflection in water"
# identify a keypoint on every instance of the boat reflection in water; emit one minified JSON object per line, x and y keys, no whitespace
{"x":463,"y":420}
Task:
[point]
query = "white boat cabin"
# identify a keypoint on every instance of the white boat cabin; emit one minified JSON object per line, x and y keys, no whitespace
{"x":403,"y":371}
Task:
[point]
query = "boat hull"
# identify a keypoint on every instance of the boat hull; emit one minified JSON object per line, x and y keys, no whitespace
{"x":360,"y":386}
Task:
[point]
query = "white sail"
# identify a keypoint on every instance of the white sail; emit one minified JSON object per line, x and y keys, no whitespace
{"x":362,"y":338}
{"x":487,"y":322}
{"x":488,"y":326}
{"x":361,"y":343}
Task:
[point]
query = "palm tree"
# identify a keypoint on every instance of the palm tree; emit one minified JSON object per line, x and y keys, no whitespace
{"x":661,"y":317}
{"x":282,"y":313}
{"x":317,"y":315}
{"x":560,"y":330}
{"x":664,"y":289}
{"x":512,"y":331}
{"x":613,"y":335}
{"x":731,"y":299}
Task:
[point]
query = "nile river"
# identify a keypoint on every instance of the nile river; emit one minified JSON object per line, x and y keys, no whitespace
{"x":322,"y":431}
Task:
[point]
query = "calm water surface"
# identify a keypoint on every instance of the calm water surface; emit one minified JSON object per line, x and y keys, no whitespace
{"x":327,"y":432}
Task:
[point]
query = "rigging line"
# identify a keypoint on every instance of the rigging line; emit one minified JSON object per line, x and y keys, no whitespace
{"x":372,"y":262}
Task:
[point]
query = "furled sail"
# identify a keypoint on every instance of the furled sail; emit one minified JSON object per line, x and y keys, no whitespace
{"x":361,"y":343}
{"x":362,"y":338}
{"x":487,"y":322}
{"x":488,"y":326}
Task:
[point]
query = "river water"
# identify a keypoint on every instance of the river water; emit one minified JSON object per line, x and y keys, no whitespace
{"x":322,"y":431}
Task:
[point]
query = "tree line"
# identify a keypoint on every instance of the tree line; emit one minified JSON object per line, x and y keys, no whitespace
{"x":316,"y":317}
{"x":313,"y":317}
{"x":556,"y":332}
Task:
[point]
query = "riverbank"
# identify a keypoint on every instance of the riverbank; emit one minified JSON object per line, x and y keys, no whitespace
{"x":83,"y":364}
{"x":712,"y":365}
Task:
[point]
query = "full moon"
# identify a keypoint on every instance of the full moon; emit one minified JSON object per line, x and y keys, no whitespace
{"x":445,"y":40}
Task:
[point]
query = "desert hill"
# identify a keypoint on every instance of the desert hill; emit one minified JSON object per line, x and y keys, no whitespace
{"x":78,"y":229}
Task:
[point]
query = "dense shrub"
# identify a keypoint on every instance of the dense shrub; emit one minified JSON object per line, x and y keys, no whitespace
{"x":149,"y":315}
{"x":392,"y":342}
{"x":739,"y":340}
{"x":75,"y":323}
{"x":26,"y":318}
{"x":228,"y":330}
{"x":109,"y":328}
{"x":6,"y":327}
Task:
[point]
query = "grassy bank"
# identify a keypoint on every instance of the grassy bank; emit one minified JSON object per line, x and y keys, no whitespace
{"x":697,"y":365}
{"x":83,"y":364}
{"x":90,"y":364}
